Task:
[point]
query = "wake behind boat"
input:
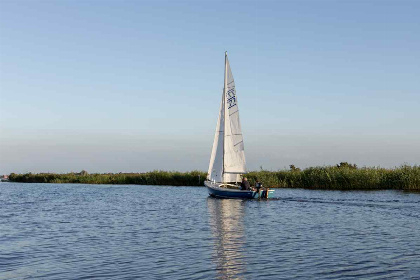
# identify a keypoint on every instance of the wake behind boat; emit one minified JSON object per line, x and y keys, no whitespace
{"x":227,"y":161}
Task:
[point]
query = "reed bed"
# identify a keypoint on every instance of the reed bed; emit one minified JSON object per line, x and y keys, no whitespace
{"x":341,"y":177}
{"x":193,"y":178}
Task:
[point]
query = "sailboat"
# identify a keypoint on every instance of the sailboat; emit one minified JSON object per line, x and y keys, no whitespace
{"x":227,"y":161}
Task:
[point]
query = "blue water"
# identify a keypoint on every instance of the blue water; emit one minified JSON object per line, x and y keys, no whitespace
{"x":51,"y":231}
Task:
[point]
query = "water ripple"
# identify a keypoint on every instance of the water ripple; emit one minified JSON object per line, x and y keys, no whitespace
{"x":50,"y":231}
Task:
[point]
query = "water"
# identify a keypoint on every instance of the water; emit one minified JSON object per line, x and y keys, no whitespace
{"x":50,"y":231}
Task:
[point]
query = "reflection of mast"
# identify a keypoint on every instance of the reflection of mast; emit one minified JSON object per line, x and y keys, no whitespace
{"x":226,"y":221}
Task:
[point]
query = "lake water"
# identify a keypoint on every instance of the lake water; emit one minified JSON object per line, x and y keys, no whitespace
{"x":50,"y":231}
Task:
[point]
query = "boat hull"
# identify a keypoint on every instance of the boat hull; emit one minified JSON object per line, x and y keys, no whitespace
{"x":215,"y":190}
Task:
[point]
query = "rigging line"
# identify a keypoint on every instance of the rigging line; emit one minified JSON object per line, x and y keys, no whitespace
{"x":224,"y":115}
{"x":256,"y":68}
{"x":233,"y":113}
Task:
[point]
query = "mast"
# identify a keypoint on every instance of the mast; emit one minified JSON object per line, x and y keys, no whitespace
{"x":224,"y":118}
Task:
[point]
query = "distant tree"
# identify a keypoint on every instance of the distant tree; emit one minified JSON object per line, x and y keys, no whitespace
{"x":347,"y":165}
{"x":12,"y":176}
{"x":293,"y":168}
{"x":83,"y":173}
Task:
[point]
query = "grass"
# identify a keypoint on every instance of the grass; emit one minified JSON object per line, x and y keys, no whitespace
{"x":193,"y":178}
{"x":341,"y":177}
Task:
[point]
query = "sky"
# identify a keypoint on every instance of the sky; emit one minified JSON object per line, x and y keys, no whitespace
{"x":135,"y":86}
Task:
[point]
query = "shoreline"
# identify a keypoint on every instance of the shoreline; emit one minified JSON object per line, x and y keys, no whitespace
{"x":203,"y":186}
{"x":341,"y":177}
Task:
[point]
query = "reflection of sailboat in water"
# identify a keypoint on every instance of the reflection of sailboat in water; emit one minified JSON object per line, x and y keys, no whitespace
{"x":226,"y":221}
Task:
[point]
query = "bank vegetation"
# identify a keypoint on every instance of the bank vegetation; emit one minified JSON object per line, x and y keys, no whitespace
{"x":343,"y":176}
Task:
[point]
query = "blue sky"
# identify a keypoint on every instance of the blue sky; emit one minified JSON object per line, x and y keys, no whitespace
{"x":133,"y":86}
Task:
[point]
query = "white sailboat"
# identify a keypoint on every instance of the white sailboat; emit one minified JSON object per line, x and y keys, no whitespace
{"x":227,"y":161}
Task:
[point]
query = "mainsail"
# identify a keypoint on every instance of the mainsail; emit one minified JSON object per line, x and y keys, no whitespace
{"x":227,"y":160}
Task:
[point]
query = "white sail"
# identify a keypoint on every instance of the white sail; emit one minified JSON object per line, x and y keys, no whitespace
{"x":234,"y":154}
{"x":227,"y":161}
{"x":215,"y":172}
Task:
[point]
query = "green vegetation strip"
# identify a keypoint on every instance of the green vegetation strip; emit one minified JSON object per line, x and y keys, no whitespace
{"x":341,"y":177}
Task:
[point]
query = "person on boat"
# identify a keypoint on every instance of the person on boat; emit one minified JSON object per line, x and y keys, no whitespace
{"x":245,"y":186}
{"x":258,"y":186}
